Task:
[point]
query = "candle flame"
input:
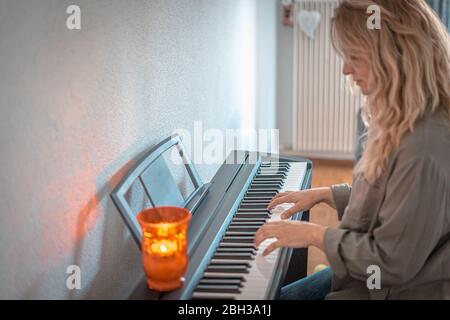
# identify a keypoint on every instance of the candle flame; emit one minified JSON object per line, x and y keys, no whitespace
{"x":163,"y":248}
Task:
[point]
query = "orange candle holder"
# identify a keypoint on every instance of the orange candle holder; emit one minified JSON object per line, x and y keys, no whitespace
{"x":164,"y":249}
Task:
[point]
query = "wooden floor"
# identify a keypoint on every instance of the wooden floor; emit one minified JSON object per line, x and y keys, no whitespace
{"x":325,"y":173}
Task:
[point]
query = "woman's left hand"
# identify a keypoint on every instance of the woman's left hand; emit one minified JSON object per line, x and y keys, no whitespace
{"x":288,"y":233}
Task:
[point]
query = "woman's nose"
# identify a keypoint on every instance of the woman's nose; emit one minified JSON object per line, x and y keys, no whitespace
{"x":347,"y":70}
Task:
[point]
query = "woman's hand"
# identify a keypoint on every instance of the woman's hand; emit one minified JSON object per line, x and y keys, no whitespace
{"x":303,"y":200}
{"x":293,"y":234}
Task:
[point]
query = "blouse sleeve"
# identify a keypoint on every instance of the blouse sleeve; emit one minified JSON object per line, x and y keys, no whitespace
{"x":409,"y":227}
{"x":341,"y":196}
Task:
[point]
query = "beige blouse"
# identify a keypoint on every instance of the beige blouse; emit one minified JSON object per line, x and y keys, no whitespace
{"x":400,"y":223}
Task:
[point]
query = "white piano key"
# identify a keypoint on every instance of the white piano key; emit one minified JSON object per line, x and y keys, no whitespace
{"x":263,"y":268}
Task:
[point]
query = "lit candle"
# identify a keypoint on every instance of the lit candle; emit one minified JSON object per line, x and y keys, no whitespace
{"x":164,"y":253}
{"x":164,"y":248}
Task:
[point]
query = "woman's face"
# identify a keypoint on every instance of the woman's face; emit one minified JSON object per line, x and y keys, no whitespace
{"x":358,"y":68}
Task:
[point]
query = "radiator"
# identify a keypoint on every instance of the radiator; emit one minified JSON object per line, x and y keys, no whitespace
{"x":324,"y":109}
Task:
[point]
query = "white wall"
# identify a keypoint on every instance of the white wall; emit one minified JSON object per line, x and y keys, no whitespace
{"x":77,"y":107}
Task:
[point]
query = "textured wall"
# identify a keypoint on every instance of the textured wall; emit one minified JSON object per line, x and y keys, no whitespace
{"x":77,"y":107}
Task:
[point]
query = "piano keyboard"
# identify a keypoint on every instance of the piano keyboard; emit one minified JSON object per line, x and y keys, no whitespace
{"x":238,"y":270}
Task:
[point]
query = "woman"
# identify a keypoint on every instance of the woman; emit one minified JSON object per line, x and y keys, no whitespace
{"x":396,"y":216}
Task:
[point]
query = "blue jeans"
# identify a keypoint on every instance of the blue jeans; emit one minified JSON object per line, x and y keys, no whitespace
{"x":313,"y":287}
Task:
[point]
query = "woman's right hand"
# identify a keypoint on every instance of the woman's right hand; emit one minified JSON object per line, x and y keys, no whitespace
{"x":303,"y":200}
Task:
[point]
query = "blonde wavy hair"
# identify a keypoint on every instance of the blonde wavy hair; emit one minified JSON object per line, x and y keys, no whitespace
{"x":409,"y":62}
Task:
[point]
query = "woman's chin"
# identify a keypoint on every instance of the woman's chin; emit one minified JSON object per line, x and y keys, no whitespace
{"x":364,"y":90}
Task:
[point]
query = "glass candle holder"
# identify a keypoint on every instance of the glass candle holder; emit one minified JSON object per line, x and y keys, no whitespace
{"x":164,"y":250}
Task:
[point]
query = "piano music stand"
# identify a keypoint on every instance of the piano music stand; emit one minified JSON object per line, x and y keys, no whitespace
{"x":158,"y":183}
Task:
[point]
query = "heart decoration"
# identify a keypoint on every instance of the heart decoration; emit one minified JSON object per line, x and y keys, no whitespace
{"x":308,"y":22}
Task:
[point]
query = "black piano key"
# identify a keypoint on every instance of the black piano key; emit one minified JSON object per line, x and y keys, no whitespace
{"x":282,"y":169}
{"x":258,"y":191}
{"x":267,"y":177}
{"x":239,"y":234}
{"x":228,"y":262}
{"x":261,"y":193}
{"x":250,"y":210}
{"x":246,"y":249}
{"x":274,"y":169}
{"x":249,"y":218}
{"x":236,"y":255}
{"x":254,"y":211}
{"x":255,"y":206}
{"x":230,"y":246}
{"x":273,"y":163}
{"x":278,"y":176}
{"x":245,"y":227}
{"x":256,"y":200}
{"x":262,"y":175}
{"x":251,"y":194}
{"x":247,"y":222}
{"x":260,"y":206}
{"x":225,"y":277}
{"x":229,"y":249}
{"x":266,"y":181}
{"x":264,"y":185}
{"x":238,"y":239}
{"x":253,"y":203}
{"x":252,"y":215}
{"x":233,"y":255}
{"x":275,"y":187}
{"x":255,"y":220}
{"x":219,"y":288}
{"x":274,"y":166}
{"x":250,"y":228}
{"x":227,"y":269}
{"x":213,"y":281}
